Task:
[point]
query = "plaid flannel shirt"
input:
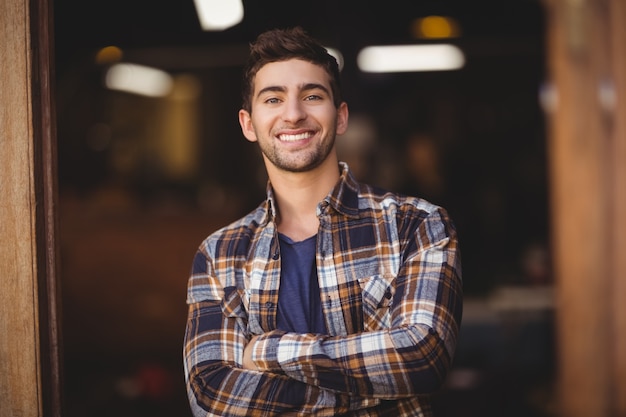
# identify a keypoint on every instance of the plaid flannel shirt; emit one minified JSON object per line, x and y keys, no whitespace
{"x":390,"y":282}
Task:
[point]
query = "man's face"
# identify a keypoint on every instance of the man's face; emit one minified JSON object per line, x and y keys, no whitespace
{"x":293,"y":116}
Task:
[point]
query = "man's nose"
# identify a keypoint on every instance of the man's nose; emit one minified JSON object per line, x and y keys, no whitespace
{"x":294,"y":111}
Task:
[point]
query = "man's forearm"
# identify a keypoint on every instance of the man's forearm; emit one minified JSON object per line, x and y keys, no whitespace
{"x":225,"y":391}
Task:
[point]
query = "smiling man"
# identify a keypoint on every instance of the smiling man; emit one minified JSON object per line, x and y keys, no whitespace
{"x":332,"y":297}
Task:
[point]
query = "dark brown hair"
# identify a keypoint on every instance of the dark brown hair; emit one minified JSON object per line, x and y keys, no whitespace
{"x":283,"y":44}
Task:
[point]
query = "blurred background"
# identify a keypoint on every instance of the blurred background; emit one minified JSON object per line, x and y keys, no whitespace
{"x":145,"y":176}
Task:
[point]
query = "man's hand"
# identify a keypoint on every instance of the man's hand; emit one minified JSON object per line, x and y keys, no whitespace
{"x":248,"y":363}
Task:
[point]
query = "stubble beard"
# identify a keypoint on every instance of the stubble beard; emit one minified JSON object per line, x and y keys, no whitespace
{"x":299,"y":161}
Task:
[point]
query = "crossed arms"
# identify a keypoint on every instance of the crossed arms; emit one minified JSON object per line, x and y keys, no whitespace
{"x":230,"y":371}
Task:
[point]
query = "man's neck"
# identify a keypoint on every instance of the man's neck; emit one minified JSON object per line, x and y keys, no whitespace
{"x":297,"y":195}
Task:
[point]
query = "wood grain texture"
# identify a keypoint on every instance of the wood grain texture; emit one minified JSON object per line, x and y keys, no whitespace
{"x":588,"y":184}
{"x":617,"y":22}
{"x":19,"y":325}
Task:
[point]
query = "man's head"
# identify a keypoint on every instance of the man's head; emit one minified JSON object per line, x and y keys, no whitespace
{"x":284,"y":44}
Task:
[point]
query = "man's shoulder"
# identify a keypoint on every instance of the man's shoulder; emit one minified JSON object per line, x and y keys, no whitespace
{"x":244,"y":226}
{"x":371,"y":195}
{"x":405,"y":213}
{"x":352,"y":195}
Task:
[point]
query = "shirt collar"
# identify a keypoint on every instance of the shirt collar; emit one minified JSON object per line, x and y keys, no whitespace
{"x":270,"y":205}
{"x":344,"y":197}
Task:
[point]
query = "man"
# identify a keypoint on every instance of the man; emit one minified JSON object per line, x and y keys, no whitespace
{"x":331,"y":298}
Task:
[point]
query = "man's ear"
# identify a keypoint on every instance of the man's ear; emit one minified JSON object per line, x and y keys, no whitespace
{"x":342,"y":118}
{"x":245,"y":121}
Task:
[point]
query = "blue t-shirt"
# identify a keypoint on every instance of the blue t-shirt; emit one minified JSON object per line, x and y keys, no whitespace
{"x":299,"y":305}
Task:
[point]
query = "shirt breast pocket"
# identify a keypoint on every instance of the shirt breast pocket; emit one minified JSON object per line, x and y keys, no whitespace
{"x":377,"y":297}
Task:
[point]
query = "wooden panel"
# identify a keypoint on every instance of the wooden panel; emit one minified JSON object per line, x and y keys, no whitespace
{"x":618,"y":41}
{"x":46,"y":195}
{"x":579,"y":215}
{"x":587,"y":139}
{"x":19,"y":341}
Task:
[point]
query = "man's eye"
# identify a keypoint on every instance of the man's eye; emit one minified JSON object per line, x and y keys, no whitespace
{"x":272,"y":100}
{"x":312,"y":97}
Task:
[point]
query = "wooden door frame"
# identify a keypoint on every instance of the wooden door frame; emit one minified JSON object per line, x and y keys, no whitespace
{"x":30,"y":363}
{"x":44,"y":135}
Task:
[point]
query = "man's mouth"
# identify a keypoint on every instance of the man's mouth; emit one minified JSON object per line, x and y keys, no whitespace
{"x":295,"y":137}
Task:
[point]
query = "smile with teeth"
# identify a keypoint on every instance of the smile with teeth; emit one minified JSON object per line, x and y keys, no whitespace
{"x":296,"y":137}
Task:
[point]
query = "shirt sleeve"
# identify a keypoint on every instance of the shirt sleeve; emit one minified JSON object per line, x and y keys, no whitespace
{"x":410,"y":357}
{"x":217,"y":384}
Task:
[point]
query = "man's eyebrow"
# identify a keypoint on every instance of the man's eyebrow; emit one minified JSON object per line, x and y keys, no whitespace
{"x":315,"y":86}
{"x":304,"y":87}
{"x":271,"y":88}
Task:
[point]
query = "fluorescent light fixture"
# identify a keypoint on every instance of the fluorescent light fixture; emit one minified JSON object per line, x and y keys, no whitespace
{"x":409,"y":58}
{"x":216,"y":15}
{"x":138,"y":79}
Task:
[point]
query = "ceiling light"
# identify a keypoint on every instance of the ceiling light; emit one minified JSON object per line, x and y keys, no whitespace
{"x":216,"y":15}
{"x":436,"y":27}
{"x":409,"y":58}
{"x":138,"y":79}
{"x":109,"y":55}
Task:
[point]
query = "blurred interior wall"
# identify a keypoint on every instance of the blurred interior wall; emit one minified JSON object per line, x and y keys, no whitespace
{"x":585,"y":101}
{"x":587,"y":145}
{"x":29,"y":355}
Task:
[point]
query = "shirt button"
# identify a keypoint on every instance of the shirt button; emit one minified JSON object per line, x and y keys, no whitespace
{"x":269,"y":305}
{"x":275,"y":255}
